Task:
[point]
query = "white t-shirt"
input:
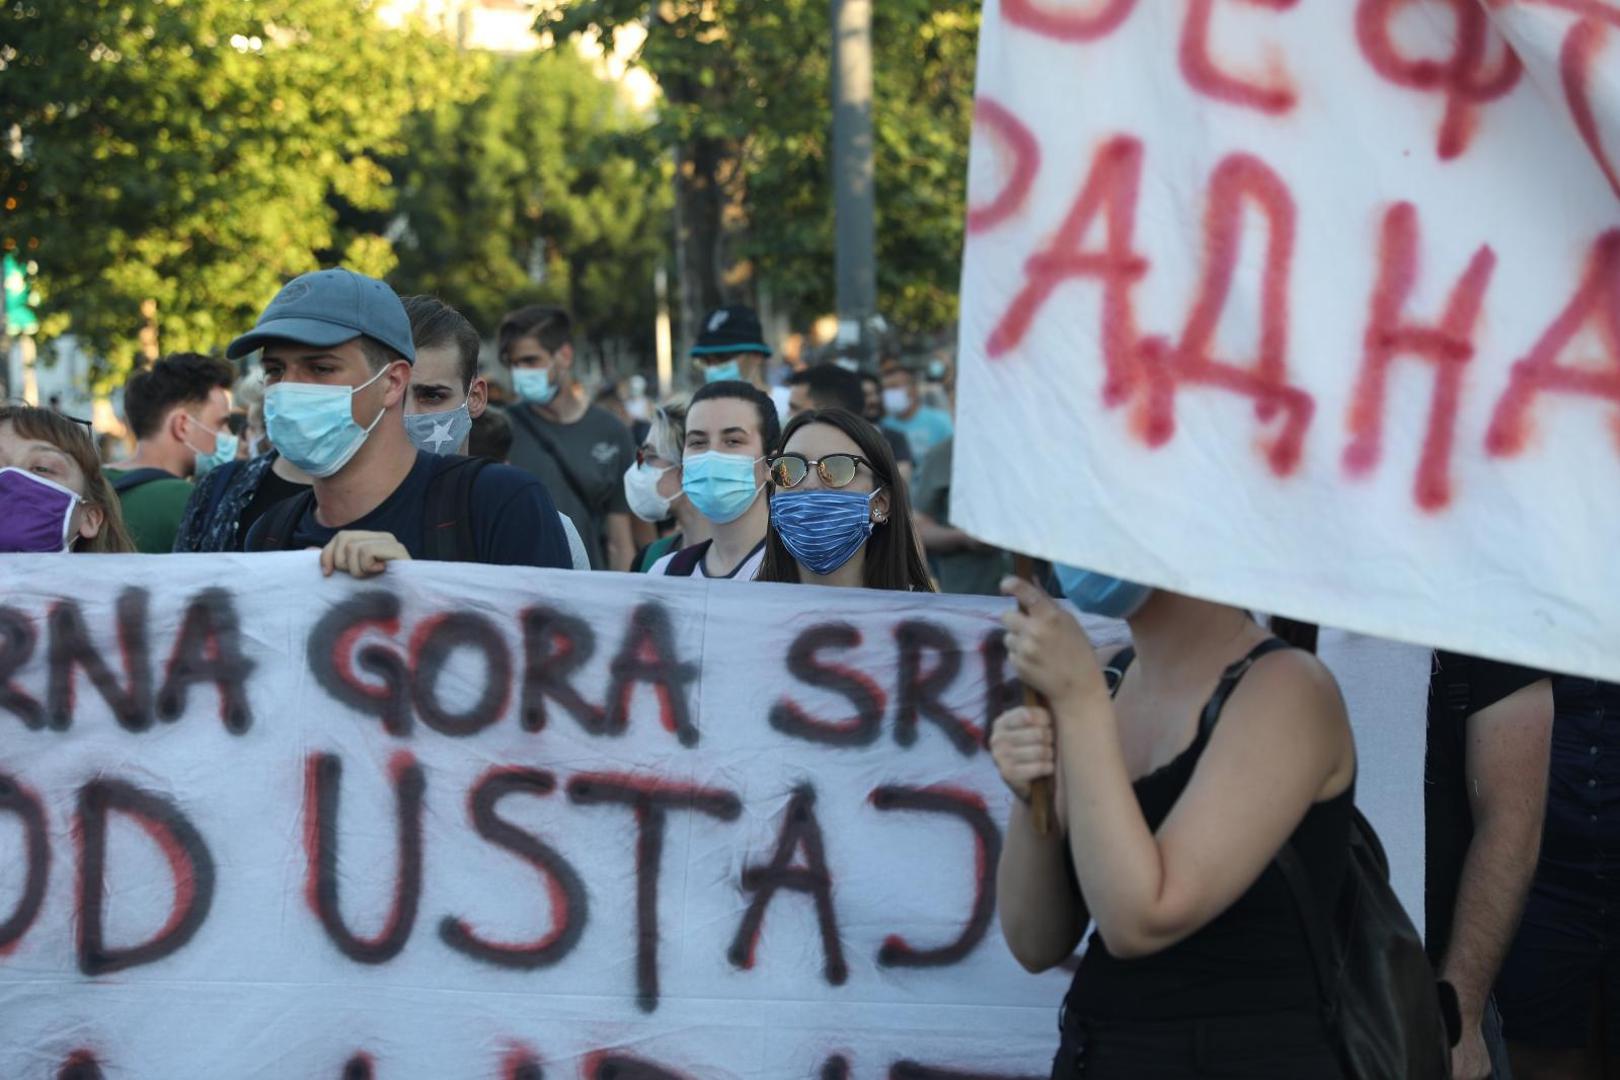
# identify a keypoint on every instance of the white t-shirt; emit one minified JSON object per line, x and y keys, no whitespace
{"x":747,"y":570}
{"x":576,"y":547}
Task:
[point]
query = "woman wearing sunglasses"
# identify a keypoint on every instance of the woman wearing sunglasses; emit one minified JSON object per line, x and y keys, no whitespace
{"x":52,"y":488}
{"x":837,"y":515}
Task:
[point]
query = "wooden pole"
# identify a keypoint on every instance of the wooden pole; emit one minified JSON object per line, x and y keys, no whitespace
{"x":1041,"y":807}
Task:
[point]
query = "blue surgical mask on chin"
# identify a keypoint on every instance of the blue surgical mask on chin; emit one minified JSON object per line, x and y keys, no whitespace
{"x":313,"y":426}
{"x":1099,"y":594}
{"x":721,"y":486}
{"x":534,"y":385}
{"x":723,"y":372}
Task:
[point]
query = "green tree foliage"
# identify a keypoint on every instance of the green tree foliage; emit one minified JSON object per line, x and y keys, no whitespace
{"x":753,"y":78}
{"x":198,"y":152}
{"x":545,"y":174}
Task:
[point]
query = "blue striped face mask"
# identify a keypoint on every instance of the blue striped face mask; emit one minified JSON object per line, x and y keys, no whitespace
{"x":822,"y":529}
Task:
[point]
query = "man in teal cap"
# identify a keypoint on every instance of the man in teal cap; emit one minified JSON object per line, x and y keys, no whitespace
{"x":732,"y":346}
{"x":337,"y":355}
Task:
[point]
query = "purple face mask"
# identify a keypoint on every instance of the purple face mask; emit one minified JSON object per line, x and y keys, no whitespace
{"x":38,"y":513}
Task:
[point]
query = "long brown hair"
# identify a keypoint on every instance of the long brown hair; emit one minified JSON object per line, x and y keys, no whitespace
{"x":893,"y":556}
{"x":73,"y":439}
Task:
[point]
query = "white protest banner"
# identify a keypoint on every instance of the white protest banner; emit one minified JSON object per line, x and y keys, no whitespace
{"x":1311,"y":306}
{"x":467,"y":822}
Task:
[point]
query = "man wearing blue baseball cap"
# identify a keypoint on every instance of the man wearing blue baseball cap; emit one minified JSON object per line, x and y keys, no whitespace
{"x":337,"y":356}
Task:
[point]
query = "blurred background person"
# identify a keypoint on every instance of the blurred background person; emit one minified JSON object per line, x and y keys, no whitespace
{"x":491,"y":437}
{"x":872,"y":411}
{"x":176,"y":409}
{"x":1559,"y":987}
{"x":226,"y":502}
{"x":54,"y":491}
{"x":904,"y":412}
{"x":652,"y":487}
{"x":1484,"y":797}
{"x":577,"y":450}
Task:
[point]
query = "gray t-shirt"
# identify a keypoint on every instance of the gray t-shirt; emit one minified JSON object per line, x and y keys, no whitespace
{"x":587,"y":484}
{"x":961,"y":572}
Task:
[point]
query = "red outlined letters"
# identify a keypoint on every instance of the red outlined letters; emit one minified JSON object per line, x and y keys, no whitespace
{"x":1276,"y":96}
{"x":1449,"y":346}
{"x":1469,"y":79}
{"x":1596,"y":301}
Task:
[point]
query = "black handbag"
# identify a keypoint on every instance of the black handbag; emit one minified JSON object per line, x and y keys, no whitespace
{"x":1384,"y":1008}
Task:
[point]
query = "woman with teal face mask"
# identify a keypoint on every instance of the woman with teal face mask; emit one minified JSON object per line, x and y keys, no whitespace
{"x":838,"y":517}
{"x":729,"y":427}
{"x":1176,"y":782}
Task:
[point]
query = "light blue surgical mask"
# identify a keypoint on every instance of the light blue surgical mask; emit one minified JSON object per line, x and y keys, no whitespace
{"x":439,"y":432}
{"x":1099,"y":594}
{"x":313,"y":426}
{"x":722,"y":372}
{"x":721,"y":486}
{"x":534,"y":385}
{"x":225,"y":446}
{"x":822,"y":530}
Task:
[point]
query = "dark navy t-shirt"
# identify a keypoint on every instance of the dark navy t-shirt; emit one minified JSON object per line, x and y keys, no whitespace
{"x":514,"y":522}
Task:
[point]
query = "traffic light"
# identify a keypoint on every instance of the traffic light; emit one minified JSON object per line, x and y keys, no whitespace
{"x":20,"y":317}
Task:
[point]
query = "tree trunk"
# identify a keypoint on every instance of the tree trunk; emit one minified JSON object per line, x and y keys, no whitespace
{"x":709,"y":220}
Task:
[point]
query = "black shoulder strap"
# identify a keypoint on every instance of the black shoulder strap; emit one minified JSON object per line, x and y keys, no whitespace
{"x":136,"y":477}
{"x":530,"y":425}
{"x":277,"y":524}
{"x":447,"y":532}
{"x":1229,"y":682}
{"x":1114,"y":673}
{"x":685,"y":561}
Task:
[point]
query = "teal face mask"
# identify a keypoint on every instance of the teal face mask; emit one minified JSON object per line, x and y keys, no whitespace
{"x":313,"y":425}
{"x":1100,"y":594}
{"x":534,"y":385}
{"x":225,"y":446}
{"x":721,"y":486}
{"x":728,"y":371}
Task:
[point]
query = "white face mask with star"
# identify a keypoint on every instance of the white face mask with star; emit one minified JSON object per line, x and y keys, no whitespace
{"x":439,"y":432}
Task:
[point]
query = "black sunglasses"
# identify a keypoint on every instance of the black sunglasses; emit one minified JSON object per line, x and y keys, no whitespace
{"x":836,"y":470}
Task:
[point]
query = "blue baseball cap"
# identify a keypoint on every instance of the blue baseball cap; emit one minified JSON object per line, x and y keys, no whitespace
{"x":329,"y":307}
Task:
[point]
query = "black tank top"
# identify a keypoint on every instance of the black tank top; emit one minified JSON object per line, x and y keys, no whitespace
{"x":1251,"y":958}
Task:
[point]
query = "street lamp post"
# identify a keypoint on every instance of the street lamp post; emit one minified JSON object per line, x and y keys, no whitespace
{"x":854,"y":199}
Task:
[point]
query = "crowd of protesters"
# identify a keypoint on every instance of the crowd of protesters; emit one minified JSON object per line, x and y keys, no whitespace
{"x":1180,"y":766}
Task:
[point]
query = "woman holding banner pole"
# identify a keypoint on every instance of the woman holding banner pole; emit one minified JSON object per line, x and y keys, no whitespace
{"x":1169,"y":822}
{"x":837,"y":515}
{"x":55,"y":496}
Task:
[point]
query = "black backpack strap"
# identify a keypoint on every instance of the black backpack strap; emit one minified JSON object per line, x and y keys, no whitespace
{"x":1229,"y":682}
{"x":275,"y":528}
{"x":137,"y":477}
{"x":1114,"y":670}
{"x":684,"y":563}
{"x":447,"y":532}
{"x":549,"y":445}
